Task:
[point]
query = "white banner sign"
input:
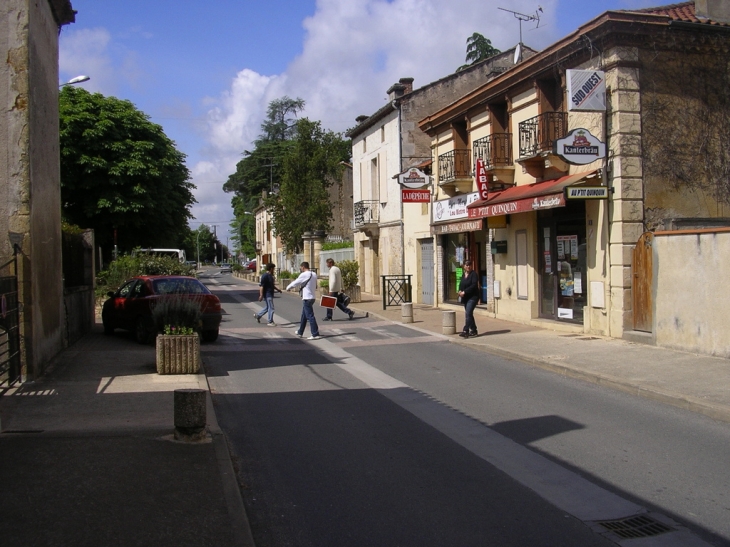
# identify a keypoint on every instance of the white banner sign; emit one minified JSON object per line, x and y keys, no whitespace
{"x":586,"y":89}
{"x":453,"y":208}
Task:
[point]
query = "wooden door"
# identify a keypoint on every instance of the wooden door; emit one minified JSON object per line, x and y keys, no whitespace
{"x":642,"y":277}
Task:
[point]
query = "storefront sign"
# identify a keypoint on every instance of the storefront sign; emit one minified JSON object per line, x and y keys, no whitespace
{"x":518,"y":206}
{"x":415,"y":196}
{"x":579,"y":147}
{"x":586,"y":192}
{"x":414,"y":178}
{"x":480,"y":174}
{"x":497,"y":222}
{"x":586,"y":89}
{"x":453,"y":208}
{"x":457,"y":227}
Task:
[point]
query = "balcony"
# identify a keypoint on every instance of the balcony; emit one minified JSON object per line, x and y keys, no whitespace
{"x":536,"y":142}
{"x":496,"y":152}
{"x":455,"y":166}
{"x":367,"y":216}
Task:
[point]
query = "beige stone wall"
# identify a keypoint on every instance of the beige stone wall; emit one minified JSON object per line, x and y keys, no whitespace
{"x":690,"y":298}
{"x":30,"y":176}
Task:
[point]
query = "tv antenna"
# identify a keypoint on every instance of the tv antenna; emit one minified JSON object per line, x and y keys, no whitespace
{"x":522,"y":17}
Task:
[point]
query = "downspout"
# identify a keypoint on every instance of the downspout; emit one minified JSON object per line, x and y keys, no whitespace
{"x":396,"y":106}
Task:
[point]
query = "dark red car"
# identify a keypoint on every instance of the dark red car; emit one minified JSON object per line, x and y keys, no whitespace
{"x":251,"y":265}
{"x":130,"y":307}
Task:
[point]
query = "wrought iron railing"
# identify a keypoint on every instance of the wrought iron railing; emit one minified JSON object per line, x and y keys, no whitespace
{"x":537,"y":134}
{"x":366,"y":212}
{"x":453,"y":165}
{"x":10,"y":359}
{"x":396,"y":289}
{"x":495,"y":150}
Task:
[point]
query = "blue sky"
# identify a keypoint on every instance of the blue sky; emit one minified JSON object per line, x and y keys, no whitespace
{"x":205,"y":71}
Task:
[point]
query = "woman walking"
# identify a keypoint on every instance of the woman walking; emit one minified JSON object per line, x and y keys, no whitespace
{"x":469,"y":296}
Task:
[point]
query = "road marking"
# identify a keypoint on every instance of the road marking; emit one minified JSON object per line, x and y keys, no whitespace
{"x":559,"y":486}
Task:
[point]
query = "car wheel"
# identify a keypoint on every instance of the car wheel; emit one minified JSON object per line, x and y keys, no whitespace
{"x":210,"y":335}
{"x":141,"y":334}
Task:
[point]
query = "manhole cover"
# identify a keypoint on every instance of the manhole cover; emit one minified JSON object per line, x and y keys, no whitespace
{"x":636,"y":527}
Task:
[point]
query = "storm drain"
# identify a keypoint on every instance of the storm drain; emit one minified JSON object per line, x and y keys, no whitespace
{"x":636,"y":527}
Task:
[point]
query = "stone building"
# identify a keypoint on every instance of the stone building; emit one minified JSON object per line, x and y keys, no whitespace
{"x":30,"y":199}
{"x":650,"y":151}
{"x":384,"y":145}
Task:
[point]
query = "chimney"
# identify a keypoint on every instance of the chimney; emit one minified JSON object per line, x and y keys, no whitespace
{"x":361,"y":118}
{"x":716,"y":10}
{"x":396,"y":91}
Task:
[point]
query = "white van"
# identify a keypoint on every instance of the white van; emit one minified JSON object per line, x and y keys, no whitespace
{"x":178,"y":254}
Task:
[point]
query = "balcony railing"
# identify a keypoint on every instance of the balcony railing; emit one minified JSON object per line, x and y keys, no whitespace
{"x":366,"y":212}
{"x":495,"y":150}
{"x":537,"y":134}
{"x":454,"y":165}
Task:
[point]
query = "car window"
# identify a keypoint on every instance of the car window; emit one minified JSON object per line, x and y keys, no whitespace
{"x":125,"y":289}
{"x":138,"y":290}
{"x":179,"y":286}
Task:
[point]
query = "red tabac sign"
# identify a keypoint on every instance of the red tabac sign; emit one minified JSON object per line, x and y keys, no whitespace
{"x":415,"y":196}
{"x":480,"y":173}
{"x":518,"y":206}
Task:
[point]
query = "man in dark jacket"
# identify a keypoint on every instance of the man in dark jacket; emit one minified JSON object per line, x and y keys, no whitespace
{"x":469,"y":295}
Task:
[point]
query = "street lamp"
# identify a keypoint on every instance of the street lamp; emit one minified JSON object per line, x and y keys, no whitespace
{"x":76,"y":80}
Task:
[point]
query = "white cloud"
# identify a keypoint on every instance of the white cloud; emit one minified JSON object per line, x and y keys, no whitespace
{"x":353,"y":51}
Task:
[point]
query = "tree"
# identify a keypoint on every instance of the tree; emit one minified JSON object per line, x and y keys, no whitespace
{"x":121,"y":173}
{"x":204,"y":240}
{"x":478,"y":48}
{"x":310,"y":165}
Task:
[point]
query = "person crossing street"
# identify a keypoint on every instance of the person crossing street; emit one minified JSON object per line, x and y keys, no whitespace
{"x":267,"y":287}
{"x":307,"y":285}
{"x":335,"y":287}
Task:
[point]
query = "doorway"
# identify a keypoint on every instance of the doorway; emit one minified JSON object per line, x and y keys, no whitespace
{"x":562,"y":262}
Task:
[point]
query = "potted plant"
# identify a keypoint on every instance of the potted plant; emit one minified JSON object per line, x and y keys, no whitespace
{"x":177,"y":320}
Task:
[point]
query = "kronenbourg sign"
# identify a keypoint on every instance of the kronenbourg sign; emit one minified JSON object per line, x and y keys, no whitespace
{"x":414,"y":178}
{"x":587,"y":90}
{"x":480,"y":173}
{"x":579,"y":147}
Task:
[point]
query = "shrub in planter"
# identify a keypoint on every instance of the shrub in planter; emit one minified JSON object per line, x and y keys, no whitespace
{"x":178,"y":319}
{"x":350,"y":272}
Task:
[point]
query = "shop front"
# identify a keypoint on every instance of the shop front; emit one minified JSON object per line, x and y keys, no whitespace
{"x":560,"y":262}
{"x":459,"y":239}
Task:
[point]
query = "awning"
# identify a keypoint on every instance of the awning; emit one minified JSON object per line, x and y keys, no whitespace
{"x":527,"y":197}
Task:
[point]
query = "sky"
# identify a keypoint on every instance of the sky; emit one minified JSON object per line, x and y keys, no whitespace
{"x":206,"y":71}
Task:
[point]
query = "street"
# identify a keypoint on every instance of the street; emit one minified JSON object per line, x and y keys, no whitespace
{"x":380,"y":434}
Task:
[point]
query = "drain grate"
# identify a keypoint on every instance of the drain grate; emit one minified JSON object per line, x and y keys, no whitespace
{"x":636,"y":527}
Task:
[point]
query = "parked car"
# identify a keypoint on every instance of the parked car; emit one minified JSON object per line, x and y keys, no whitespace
{"x":251,"y":265}
{"x":225,"y":267}
{"x":130,"y":307}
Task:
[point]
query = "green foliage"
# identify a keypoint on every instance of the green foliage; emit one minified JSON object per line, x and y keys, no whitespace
{"x":310,"y":165}
{"x":120,"y":172}
{"x":324,"y":283}
{"x":125,"y":267}
{"x":338,"y":245}
{"x":285,"y":274}
{"x":478,"y":48}
{"x":204,"y":238}
{"x":350,"y":273}
{"x":177,"y":312}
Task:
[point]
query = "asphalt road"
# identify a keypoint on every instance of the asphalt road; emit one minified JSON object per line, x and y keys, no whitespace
{"x":384,"y":435}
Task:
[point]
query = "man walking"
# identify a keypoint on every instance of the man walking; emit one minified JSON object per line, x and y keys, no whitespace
{"x":307,"y":284}
{"x":335,"y":287}
{"x":267,"y":286}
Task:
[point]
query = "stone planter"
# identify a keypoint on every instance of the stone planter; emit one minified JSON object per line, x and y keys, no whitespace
{"x":354,"y":293}
{"x":178,"y":354}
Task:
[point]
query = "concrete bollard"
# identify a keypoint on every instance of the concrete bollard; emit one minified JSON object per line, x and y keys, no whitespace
{"x":448,"y":322}
{"x":406,"y":312}
{"x":190,"y":414}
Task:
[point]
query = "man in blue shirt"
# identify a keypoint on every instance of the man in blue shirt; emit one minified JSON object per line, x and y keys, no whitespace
{"x":267,"y":286}
{"x":307,"y":284}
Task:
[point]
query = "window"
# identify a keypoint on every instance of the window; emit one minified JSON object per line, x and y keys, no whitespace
{"x":382,"y":133}
{"x":375,"y":179}
{"x":364,"y":144}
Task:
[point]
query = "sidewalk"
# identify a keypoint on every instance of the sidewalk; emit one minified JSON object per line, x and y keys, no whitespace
{"x":87,"y":457}
{"x":699,"y":383}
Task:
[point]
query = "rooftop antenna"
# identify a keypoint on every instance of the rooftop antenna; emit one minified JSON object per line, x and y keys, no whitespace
{"x":522,"y":17}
